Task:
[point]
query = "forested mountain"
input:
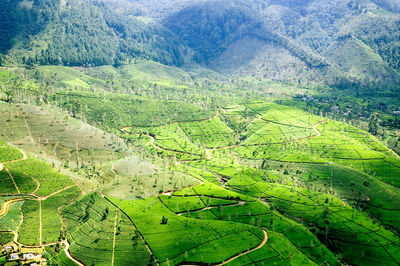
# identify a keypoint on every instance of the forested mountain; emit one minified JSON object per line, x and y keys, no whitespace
{"x":305,"y":35}
{"x":83,"y":33}
{"x":345,"y":43}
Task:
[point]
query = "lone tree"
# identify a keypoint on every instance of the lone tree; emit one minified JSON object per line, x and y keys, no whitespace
{"x":164,"y":220}
{"x":373,"y":124}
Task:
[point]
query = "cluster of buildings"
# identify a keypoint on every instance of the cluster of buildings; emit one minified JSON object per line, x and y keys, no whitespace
{"x":13,"y":254}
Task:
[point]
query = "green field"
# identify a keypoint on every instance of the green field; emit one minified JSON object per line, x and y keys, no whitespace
{"x":91,"y":233}
{"x":333,"y":163}
{"x":252,"y":183}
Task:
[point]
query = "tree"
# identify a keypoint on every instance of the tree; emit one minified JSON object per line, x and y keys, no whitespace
{"x":164,"y":220}
{"x":373,"y":124}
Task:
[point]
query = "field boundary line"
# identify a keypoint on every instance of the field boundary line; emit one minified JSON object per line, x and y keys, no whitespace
{"x":123,"y":129}
{"x":38,"y":184}
{"x":134,"y":225}
{"x":12,"y":178}
{"x":115,"y":236}
{"x":157,"y":146}
{"x":40,"y":222}
{"x":29,"y":130}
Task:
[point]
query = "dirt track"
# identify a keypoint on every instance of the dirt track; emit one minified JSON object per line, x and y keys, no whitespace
{"x":251,"y":250}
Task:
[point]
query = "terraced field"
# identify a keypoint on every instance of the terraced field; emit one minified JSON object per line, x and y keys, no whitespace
{"x":316,"y":172}
{"x":256,"y":183}
{"x":31,"y":198}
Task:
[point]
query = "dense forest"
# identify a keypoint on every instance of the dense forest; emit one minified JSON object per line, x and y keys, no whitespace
{"x":306,"y":35}
{"x":83,"y":33}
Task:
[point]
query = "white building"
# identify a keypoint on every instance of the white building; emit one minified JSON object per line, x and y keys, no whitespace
{"x":14,"y":256}
{"x":28,"y":256}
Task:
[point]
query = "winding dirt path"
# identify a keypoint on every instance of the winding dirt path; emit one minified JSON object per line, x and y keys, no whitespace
{"x":37,"y":183}
{"x":113,"y":170}
{"x":59,"y":191}
{"x":247,"y":252}
{"x":6,"y":206}
{"x":316,"y":125}
{"x":28,"y":128}
{"x":66,"y":250}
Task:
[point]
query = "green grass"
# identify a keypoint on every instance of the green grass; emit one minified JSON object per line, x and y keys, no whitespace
{"x":212,"y":133}
{"x":184,"y":239}
{"x":148,"y":72}
{"x":328,"y":213}
{"x":264,"y":167}
{"x":5,"y":237}
{"x":55,"y":135}
{"x":70,"y":77}
{"x":29,"y":232}
{"x":8,"y":154}
{"x":51,"y":220}
{"x":254,"y":213}
{"x":119,"y":110}
{"x":173,"y":138}
{"x":3,"y":143}
{"x":63,"y":260}
{"x":91,"y":232}
{"x":6,"y":184}
{"x":12,"y":219}
{"x":127,"y":186}
{"x":25,"y":183}
{"x":50,"y":180}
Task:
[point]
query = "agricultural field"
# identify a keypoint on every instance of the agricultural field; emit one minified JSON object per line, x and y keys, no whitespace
{"x":318,"y":173}
{"x":133,"y":185}
{"x":68,"y":143}
{"x":255,"y":183}
{"x":115,"y":111}
{"x":99,"y":233}
{"x":211,"y":133}
{"x":11,"y":220}
{"x":33,"y":194}
{"x":174,"y":139}
{"x":69,"y":77}
{"x":191,"y":240}
{"x":54,"y":134}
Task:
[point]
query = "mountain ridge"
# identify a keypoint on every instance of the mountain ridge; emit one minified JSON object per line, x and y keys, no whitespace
{"x":181,"y":32}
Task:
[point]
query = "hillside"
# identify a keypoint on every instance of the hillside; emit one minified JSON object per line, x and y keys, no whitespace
{"x":303,"y":34}
{"x":83,"y":33}
{"x":206,"y":132}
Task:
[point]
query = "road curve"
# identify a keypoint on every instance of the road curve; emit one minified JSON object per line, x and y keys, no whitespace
{"x":247,"y":252}
{"x":66,"y":250}
{"x":6,"y":206}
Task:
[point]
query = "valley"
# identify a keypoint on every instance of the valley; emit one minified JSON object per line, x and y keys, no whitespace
{"x":336,"y":182}
{"x":179,"y":132}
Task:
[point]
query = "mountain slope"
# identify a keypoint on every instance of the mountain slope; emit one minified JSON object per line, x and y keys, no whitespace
{"x":83,"y":33}
{"x":307,"y":41}
{"x":306,"y":30}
